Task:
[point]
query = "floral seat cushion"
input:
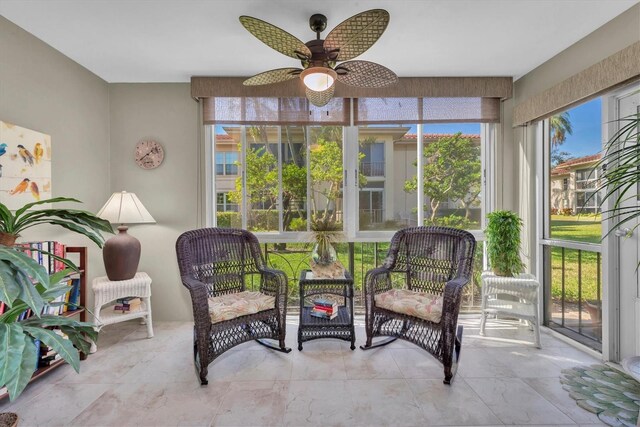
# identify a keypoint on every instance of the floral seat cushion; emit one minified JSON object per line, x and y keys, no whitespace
{"x":417,"y":304}
{"x":230,"y":306}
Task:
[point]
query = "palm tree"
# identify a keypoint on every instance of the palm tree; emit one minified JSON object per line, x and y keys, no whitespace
{"x":560,"y":126}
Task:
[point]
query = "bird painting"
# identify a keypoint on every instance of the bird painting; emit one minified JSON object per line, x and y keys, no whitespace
{"x":26,"y":156}
{"x":21,"y":188}
{"x":34,"y":190}
{"x":3,"y":149}
{"x":38,"y":152}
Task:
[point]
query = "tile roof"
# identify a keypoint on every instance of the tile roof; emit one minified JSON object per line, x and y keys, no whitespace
{"x":566,"y":167}
{"x":440,"y":135}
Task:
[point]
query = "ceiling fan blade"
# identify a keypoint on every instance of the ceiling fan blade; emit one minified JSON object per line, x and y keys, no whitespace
{"x":273,"y":76}
{"x":357,"y":34}
{"x":276,"y":38}
{"x":321,"y":98}
{"x":365,"y":74}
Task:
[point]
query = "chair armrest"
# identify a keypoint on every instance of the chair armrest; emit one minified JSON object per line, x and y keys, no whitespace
{"x":276,"y":284}
{"x":452,"y":297}
{"x":376,"y":281}
{"x":199,"y":298}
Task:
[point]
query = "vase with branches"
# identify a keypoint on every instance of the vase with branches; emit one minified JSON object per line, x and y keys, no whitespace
{"x":324,"y":259}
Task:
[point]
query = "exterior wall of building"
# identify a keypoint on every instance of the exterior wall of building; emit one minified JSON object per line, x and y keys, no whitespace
{"x":567,"y":199}
{"x":561,"y":198}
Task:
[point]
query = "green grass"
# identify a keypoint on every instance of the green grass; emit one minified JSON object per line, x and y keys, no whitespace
{"x":580,"y":278}
{"x":580,"y":228}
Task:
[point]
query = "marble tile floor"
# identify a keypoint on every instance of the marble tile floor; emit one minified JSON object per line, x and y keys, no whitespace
{"x":135,"y":381}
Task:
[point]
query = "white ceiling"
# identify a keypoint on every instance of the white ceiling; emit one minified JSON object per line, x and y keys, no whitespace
{"x":172,"y":40}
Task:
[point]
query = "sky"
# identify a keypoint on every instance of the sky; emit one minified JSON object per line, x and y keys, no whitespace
{"x":586,"y":121}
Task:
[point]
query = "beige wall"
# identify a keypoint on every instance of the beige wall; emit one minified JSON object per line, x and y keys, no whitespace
{"x":166,"y":113}
{"x":42,"y":89}
{"x":94,"y":127}
{"x":615,"y":35}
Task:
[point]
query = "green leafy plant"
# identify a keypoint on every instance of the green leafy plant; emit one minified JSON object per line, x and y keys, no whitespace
{"x":78,"y":221}
{"x":620,"y":178}
{"x":25,"y":285}
{"x":503,"y":242}
{"x":18,"y":358}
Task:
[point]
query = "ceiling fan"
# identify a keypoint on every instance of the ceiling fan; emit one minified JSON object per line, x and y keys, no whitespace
{"x":322,"y":59}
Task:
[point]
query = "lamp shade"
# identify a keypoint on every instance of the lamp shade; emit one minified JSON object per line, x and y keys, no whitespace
{"x":318,"y":79}
{"x":125,"y":208}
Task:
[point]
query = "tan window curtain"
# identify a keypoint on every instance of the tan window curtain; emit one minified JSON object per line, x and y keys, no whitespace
{"x":616,"y":70}
{"x":426,"y":110}
{"x":276,"y":111}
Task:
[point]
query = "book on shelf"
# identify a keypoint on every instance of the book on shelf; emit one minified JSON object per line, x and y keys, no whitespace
{"x":323,"y":314}
{"x":128,"y":304}
{"x":325,"y":308}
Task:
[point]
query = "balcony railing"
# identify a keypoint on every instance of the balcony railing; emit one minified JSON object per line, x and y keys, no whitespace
{"x":358,"y":258}
{"x":573,"y":290}
{"x":372,"y":168}
{"x":371,"y":216}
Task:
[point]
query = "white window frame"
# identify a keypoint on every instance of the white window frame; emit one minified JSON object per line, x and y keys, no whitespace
{"x":350,"y":202}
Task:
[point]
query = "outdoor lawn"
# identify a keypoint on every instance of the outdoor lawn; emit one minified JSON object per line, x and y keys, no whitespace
{"x":581,"y":268}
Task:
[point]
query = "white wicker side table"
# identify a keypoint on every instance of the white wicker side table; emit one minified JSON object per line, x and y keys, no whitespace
{"x":106,"y":291}
{"x":522,"y":304}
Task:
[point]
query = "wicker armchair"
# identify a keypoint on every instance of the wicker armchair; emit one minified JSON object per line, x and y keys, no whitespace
{"x":433,"y":264}
{"x":215,"y":265}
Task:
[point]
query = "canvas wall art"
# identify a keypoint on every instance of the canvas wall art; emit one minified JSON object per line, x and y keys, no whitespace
{"x":25,"y":165}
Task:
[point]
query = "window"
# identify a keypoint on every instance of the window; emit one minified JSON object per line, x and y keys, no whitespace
{"x":281,"y":168}
{"x":372,"y":204}
{"x":572,"y":224}
{"x":288,"y":178}
{"x":372,"y":163}
{"x":383,"y":202}
{"x":453,"y":175}
{"x":226,"y":163}
{"x":224,"y":204}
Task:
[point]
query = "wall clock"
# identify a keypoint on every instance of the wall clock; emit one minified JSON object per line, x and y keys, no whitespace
{"x":149,"y":154}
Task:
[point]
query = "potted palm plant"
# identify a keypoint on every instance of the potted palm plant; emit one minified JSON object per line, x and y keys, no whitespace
{"x":25,"y":284}
{"x":503,"y":242}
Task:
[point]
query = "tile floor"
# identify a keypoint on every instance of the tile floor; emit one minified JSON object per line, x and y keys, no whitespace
{"x":132,"y":380}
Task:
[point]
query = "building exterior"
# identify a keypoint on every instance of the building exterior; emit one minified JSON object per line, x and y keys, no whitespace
{"x":572,"y":186}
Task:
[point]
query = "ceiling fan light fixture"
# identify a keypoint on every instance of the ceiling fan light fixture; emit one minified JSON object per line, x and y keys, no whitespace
{"x":318,"y":79}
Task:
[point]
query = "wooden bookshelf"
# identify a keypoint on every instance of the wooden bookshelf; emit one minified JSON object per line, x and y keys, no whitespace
{"x":81,"y":262}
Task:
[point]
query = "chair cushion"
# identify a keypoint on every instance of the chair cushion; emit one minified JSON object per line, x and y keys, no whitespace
{"x":417,"y":304}
{"x":230,"y":306}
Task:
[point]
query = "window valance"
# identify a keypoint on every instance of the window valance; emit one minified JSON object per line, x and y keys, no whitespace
{"x":426,"y":110}
{"x":616,"y":70}
{"x":275,"y":111}
{"x":412,"y":100}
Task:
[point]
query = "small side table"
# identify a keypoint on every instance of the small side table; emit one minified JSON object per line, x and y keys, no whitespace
{"x":311,"y":328}
{"x":106,"y":291}
{"x":523,"y":289}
